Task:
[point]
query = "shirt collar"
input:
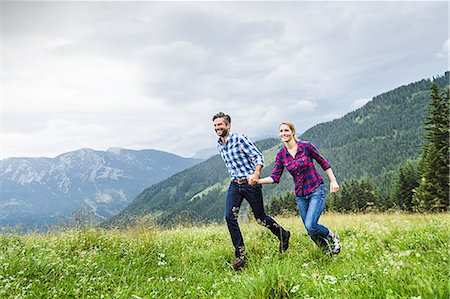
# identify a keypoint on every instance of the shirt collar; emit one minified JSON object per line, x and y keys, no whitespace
{"x":286,"y":150}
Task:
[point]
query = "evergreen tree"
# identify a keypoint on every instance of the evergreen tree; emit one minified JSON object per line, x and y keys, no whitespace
{"x":433,"y":191}
{"x":405,"y":181}
{"x":283,"y":204}
{"x":356,"y":195}
{"x":383,"y":188}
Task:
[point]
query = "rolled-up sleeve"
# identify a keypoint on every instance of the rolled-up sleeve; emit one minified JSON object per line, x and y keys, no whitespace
{"x":250,"y":149}
{"x":277,"y":168}
{"x":318,"y":157}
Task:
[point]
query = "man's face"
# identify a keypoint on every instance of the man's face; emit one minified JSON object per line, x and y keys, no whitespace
{"x":221,"y":127}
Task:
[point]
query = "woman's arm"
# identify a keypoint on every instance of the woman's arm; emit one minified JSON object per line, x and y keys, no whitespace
{"x":274,"y":178}
{"x":334,"y":186}
{"x":314,"y":152}
{"x":266,"y":180}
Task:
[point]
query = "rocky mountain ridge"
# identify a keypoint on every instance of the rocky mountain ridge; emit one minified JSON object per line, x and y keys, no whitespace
{"x":38,"y":191}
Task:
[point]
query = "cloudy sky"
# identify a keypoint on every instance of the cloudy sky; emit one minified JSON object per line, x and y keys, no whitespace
{"x":145,"y":75}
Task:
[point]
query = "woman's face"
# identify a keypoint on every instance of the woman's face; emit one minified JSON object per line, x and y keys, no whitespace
{"x":286,"y":133}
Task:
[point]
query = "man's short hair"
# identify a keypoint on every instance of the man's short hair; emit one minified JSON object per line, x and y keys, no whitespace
{"x":226,"y":117}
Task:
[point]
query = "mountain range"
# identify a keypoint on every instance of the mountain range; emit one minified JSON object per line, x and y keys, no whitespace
{"x":44,"y":191}
{"x":370,"y":141}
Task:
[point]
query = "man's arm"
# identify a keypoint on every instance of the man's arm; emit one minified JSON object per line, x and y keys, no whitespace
{"x":253,"y":178}
{"x":250,"y":149}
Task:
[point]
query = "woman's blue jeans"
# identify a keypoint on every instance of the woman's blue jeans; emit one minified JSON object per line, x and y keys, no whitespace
{"x":310,"y":207}
{"x":253,"y":194}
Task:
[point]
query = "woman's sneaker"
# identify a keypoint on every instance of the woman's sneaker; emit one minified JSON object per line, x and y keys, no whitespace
{"x":335,"y":244}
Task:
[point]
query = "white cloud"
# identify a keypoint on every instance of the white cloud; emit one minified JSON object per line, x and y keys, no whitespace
{"x":359,"y":103}
{"x":64,"y":136}
{"x":330,"y":116}
{"x":152,"y":74}
{"x":445,"y":50}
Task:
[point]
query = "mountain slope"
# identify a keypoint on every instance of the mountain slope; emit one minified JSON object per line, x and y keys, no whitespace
{"x":380,"y":135}
{"x":372,"y":140}
{"x":44,"y":190}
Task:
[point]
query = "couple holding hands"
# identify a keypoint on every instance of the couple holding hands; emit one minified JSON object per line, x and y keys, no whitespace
{"x":244,"y":163}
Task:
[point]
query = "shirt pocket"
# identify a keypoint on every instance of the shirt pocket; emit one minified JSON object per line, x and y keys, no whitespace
{"x":297,"y":165}
{"x":291,"y":166}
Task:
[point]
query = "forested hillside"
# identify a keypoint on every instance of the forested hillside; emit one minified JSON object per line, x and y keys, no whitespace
{"x":371,"y":141}
{"x":378,"y":136}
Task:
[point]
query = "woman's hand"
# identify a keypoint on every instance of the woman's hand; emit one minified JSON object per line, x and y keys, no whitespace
{"x":334,"y":186}
{"x":253,"y":179}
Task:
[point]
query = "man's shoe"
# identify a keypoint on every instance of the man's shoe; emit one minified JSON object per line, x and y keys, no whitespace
{"x":327,"y":250}
{"x":238,"y":263}
{"x":284,"y":243}
{"x":335,"y":244}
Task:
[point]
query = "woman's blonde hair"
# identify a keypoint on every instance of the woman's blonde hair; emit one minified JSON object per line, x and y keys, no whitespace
{"x":291,"y":126}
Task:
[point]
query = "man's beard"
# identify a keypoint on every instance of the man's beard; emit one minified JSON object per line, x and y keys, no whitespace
{"x":223,"y":134}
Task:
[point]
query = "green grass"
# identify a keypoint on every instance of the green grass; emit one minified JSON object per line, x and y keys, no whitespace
{"x":383,"y":256}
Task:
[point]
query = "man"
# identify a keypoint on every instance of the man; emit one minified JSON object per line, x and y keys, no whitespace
{"x":244,"y":163}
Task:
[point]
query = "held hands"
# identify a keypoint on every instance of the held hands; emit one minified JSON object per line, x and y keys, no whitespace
{"x":253,"y":179}
{"x":334,"y":186}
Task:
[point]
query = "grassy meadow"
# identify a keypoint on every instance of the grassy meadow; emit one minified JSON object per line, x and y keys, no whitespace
{"x":383,"y":256}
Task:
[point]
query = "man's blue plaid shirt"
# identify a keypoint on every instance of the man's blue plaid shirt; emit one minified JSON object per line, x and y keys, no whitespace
{"x":240,"y":155}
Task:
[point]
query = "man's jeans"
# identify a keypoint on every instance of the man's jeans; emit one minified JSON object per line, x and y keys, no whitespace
{"x":310,"y":207}
{"x":253,"y":194}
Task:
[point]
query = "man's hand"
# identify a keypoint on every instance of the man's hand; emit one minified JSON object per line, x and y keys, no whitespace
{"x":253,"y":179}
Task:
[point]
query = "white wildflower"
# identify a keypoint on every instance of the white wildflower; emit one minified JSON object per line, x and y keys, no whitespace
{"x":295,"y":288}
{"x":405,"y":253}
{"x":330,"y":279}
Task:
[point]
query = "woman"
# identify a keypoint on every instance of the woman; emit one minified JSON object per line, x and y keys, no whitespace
{"x":310,"y":191}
